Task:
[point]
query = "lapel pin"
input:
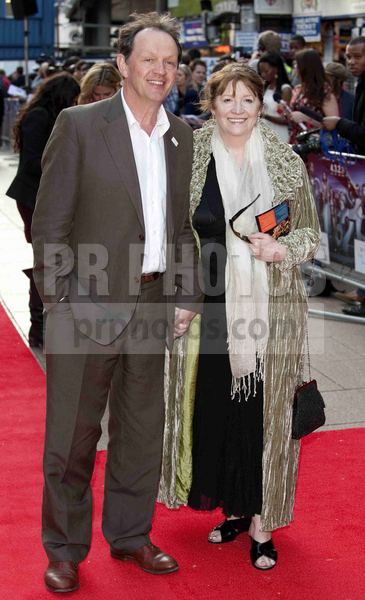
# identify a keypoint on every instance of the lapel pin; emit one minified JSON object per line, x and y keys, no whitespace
{"x":175,"y":142}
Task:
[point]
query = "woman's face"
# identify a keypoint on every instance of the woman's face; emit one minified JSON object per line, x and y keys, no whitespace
{"x":180,"y":77}
{"x":267,"y":72}
{"x":101,"y":92}
{"x":199,"y":74}
{"x":236,"y":112}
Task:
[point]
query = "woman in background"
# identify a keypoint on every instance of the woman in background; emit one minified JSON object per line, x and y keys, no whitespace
{"x":188,"y":101}
{"x":313,"y":92}
{"x":31,"y":132}
{"x":272,"y":70}
{"x":338,"y":75}
{"x":102,"y":81}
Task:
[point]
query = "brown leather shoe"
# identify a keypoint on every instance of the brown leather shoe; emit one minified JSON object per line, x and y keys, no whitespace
{"x":150,"y":558}
{"x":62,"y":576}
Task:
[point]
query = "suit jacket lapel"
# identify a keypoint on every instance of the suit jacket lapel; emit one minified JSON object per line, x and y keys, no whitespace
{"x":118,"y":140}
{"x":171,"y":157}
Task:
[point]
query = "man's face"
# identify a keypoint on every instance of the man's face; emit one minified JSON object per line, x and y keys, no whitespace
{"x":149,"y":72}
{"x":355,"y":55}
{"x":294,"y":47}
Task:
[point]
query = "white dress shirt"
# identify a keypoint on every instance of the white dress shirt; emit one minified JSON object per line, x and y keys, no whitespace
{"x":149,"y":155}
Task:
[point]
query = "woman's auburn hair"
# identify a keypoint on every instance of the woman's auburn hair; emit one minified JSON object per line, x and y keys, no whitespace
{"x":231,"y":73}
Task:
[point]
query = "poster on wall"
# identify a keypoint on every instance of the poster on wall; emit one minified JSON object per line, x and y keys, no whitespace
{"x":329,"y":8}
{"x":273,"y":7}
{"x":307,"y":7}
{"x":360,"y":256}
{"x":323,"y":252}
{"x":342,"y":8}
{"x":339,"y":193}
{"x":192,"y":34}
{"x":247,"y":40}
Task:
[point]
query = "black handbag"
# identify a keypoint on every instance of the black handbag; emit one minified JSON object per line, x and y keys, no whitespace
{"x":308,"y":406}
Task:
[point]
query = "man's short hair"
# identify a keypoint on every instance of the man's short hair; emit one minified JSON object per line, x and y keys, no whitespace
{"x":360,"y":39}
{"x":197,"y":62}
{"x":298,"y":38}
{"x":152,"y":20}
{"x":269,"y":41}
{"x":194,"y":53}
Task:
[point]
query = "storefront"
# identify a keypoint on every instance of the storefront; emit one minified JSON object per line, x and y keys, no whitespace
{"x":329,"y":24}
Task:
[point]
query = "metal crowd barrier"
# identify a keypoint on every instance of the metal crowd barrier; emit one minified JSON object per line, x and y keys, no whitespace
{"x":338,"y":182}
{"x":11,"y":108}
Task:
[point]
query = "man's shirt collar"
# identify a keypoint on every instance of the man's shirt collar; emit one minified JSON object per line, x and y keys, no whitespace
{"x":162,"y":123}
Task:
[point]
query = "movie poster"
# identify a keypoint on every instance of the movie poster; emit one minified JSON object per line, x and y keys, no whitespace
{"x":339,"y":192}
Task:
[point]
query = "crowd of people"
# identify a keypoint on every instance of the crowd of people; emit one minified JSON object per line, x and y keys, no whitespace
{"x":293,"y":79}
{"x":169,"y":218}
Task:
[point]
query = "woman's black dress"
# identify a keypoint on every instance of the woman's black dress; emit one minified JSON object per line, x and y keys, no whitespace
{"x":227,"y":433}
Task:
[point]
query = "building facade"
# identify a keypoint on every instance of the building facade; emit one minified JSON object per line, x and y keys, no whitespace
{"x":41,"y":32}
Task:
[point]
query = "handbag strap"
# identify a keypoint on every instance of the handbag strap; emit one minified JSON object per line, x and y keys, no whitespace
{"x":308,"y":353}
{"x":307,"y":336}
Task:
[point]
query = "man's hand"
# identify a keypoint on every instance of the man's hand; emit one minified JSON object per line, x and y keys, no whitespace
{"x":330,"y":123}
{"x":183,"y":319}
{"x":265,"y":248}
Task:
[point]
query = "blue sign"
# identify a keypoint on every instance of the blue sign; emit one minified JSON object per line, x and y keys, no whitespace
{"x":193,"y":34}
{"x":308,"y":27}
{"x":285,"y":39}
{"x":246,"y":40}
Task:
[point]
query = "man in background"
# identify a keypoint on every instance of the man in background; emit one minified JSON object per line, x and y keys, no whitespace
{"x":296,"y":43}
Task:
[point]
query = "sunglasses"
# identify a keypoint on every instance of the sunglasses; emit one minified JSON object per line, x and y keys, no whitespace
{"x":244,"y":238}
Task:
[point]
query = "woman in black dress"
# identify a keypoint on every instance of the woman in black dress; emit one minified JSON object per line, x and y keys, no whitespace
{"x":31,"y":132}
{"x":242,"y":381}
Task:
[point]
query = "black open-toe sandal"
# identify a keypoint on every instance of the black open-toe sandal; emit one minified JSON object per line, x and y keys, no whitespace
{"x":230,"y":529}
{"x":263,"y":549}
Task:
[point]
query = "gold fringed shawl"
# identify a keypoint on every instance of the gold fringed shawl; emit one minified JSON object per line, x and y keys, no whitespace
{"x":287,"y":316}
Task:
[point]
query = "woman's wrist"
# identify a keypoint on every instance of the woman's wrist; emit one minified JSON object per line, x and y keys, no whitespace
{"x":281,"y":253}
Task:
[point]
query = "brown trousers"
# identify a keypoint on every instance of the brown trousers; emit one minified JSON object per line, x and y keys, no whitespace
{"x":130,"y":372}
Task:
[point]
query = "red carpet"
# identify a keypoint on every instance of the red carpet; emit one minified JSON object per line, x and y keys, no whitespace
{"x":321,"y":553}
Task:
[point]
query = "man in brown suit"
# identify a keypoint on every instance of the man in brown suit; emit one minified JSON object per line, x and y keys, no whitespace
{"x":115,"y":264}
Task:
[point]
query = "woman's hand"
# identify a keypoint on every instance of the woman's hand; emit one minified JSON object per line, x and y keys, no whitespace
{"x":300,"y":117}
{"x":183,"y":319}
{"x":264,"y":247}
{"x":297,"y":116}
